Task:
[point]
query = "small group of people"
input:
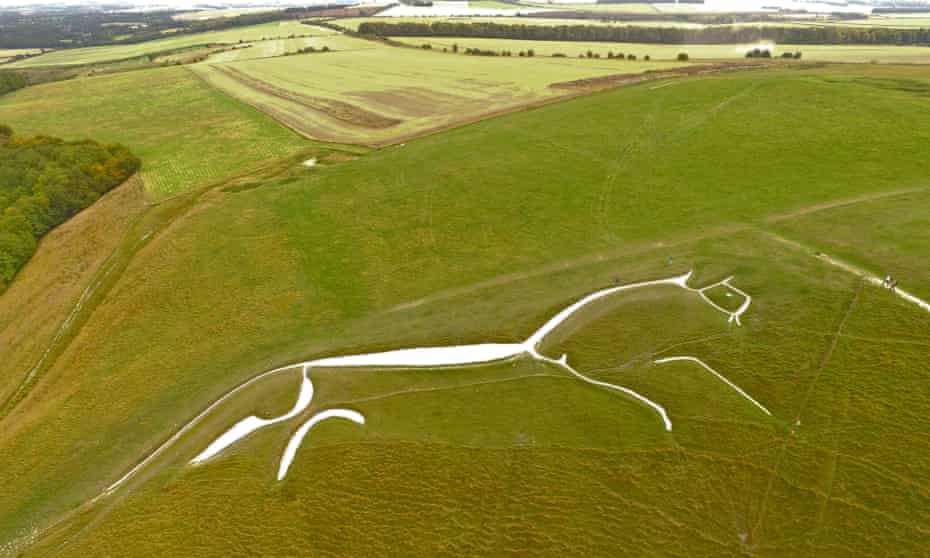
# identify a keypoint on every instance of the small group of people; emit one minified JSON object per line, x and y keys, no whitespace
{"x":890,"y":283}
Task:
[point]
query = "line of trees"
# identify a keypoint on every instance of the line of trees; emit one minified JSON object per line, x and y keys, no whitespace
{"x":653,"y":35}
{"x":77,"y":27}
{"x":44,"y":182}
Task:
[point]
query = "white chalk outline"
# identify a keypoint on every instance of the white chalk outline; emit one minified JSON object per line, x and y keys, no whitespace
{"x":294,"y":443}
{"x":717,"y":374}
{"x":252,"y":423}
{"x":433,"y":357}
{"x":733,"y":316}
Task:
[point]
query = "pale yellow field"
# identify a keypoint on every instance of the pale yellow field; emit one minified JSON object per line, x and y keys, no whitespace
{"x":204,"y":15}
{"x":281,"y":47}
{"x":384,"y":94}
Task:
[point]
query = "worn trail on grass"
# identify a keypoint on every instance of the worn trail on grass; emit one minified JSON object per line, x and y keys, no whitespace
{"x":843,"y":203}
{"x":869,"y":278}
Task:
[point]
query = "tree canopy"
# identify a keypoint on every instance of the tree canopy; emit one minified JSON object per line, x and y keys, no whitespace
{"x":829,"y":35}
{"x":45,"y":181}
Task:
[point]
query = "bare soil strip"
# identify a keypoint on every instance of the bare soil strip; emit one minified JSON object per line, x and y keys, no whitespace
{"x":338,"y":110}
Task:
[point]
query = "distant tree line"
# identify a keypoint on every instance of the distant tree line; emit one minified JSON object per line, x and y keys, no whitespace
{"x":76,"y":28}
{"x":43,"y":182}
{"x":653,"y":35}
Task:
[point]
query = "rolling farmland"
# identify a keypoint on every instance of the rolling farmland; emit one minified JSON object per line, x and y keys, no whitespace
{"x":383,"y":95}
{"x":169,"y":117}
{"x":97,"y":55}
{"x":556,"y":207}
{"x":543,"y":313}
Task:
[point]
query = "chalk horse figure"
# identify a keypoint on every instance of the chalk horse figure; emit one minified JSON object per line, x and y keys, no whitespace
{"x":460,"y":355}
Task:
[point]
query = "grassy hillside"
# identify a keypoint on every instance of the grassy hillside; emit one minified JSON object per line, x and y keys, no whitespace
{"x":96,"y":55}
{"x":385,"y":94}
{"x":479,"y":234}
{"x":54,"y":280}
{"x":186,"y":133}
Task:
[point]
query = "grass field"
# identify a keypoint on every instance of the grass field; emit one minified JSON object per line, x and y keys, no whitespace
{"x":186,"y":133}
{"x":817,"y":53}
{"x":98,"y":55}
{"x":886,"y":248}
{"x":479,"y":234}
{"x":280,"y":47}
{"x":385,"y":94}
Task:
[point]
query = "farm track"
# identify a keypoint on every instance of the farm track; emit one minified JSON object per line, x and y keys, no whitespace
{"x":339,"y":110}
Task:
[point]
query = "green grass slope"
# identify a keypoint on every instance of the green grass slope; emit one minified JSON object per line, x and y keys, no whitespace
{"x":478,"y":235}
{"x":186,"y":133}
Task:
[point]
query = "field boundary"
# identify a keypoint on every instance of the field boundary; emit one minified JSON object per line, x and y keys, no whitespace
{"x":332,"y":108}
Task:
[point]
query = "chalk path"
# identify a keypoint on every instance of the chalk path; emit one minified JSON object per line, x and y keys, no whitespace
{"x":422,"y":357}
{"x":874,"y":280}
{"x":717,"y":374}
{"x":870,"y":278}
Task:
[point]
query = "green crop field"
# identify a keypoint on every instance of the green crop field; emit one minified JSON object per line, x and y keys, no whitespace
{"x":98,"y":55}
{"x":187,"y":133}
{"x":479,"y":234}
{"x":818,"y":53}
{"x":387,"y":94}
